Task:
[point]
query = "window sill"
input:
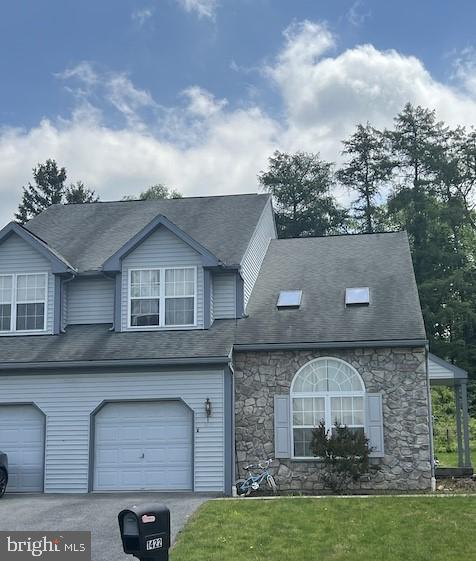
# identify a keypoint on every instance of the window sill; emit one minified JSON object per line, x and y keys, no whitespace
{"x":164,"y":328}
{"x":23,"y":333}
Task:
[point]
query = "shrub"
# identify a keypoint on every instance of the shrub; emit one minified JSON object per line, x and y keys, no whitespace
{"x":344,"y":453}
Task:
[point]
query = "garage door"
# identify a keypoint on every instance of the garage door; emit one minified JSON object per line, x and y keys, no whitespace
{"x":143,"y":446}
{"x":22,"y":437}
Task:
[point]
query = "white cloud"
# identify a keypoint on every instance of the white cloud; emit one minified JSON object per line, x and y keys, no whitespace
{"x":325,"y":96}
{"x":203,"y":145}
{"x":203,"y":103}
{"x":357,"y":14}
{"x":203,"y":8}
{"x":141,"y":16}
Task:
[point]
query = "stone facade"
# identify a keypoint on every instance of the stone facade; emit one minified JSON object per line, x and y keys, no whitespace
{"x":398,"y":373}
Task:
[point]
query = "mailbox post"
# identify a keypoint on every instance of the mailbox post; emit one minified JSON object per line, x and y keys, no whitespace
{"x":145,"y":532}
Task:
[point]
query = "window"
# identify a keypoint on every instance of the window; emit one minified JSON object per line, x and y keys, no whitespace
{"x":357,"y":296}
{"x":162,"y":297}
{"x":23,"y":302}
{"x":289,"y":299}
{"x":325,"y":389}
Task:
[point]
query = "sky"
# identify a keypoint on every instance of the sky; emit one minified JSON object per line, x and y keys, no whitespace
{"x":197,"y":94}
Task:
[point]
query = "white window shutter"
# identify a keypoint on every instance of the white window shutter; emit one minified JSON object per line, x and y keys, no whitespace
{"x":374,"y":424}
{"x":282,"y":427}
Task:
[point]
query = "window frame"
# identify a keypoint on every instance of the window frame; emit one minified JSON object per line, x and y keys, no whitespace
{"x":327,"y":395}
{"x":162,"y":299}
{"x":14,"y":303}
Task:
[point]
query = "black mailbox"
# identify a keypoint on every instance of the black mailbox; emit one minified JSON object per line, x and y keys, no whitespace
{"x":145,"y":532}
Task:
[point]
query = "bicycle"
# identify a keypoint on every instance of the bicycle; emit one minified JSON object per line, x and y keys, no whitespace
{"x":254,"y":480}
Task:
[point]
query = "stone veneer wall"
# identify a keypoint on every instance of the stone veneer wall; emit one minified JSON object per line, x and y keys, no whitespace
{"x":398,"y":373}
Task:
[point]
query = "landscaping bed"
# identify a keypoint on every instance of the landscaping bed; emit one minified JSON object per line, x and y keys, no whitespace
{"x":436,"y":528}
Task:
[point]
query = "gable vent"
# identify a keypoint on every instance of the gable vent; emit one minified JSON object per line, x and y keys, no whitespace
{"x":289,"y":299}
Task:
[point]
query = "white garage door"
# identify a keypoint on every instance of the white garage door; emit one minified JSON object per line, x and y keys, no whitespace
{"x":143,"y":446}
{"x":22,"y":437}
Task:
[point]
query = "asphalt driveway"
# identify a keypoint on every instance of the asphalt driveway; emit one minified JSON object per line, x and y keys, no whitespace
{"x":96,"y":513}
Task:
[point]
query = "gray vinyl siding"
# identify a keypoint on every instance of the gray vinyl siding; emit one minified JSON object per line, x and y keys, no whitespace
{"x":17,"y":256}
{"x":69,"y":399}
{"x":162,"y":249}
{"x":224,"y":296}
{"x":437,"y":371}
{"x":90,"y":300}
{"x":254,"y":255}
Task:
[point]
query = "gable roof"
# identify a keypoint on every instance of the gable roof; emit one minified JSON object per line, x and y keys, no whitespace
{"x":89,"y":234}
{"x":323,"y":268}
{"x":114,"y":262}
{"x":58,"y":263}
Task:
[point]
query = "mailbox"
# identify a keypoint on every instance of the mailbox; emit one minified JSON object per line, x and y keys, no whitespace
{"x":145,"y":532}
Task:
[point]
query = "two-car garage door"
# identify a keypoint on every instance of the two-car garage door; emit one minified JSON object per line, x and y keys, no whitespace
{"x":143,"y":446}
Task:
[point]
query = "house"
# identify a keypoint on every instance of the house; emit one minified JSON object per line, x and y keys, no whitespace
{"x":163,"y":345}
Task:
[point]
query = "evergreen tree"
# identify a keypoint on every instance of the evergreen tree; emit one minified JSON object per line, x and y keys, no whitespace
{"x":47,"y":190}
{"x":416,"y":143}
{"x":301,"y":187}
{"x":79,"y":193}
{"x":367,"y":170}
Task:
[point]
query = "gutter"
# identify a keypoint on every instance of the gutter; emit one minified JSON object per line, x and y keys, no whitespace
{"x":329,"y":345}
{"x":118,"y":362}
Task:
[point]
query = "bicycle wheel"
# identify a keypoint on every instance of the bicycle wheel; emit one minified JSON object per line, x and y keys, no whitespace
{"x":272,"y":484}
{"x":242,"y":489}
{"x":3,"y":481}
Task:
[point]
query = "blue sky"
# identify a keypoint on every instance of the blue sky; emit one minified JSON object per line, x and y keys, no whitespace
{"x":198,"y":93}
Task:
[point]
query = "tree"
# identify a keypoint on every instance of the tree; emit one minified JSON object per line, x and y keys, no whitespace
{"x":417,"y":146}
{"x":156,"y":192}
{"x":79,"y":193}
{"x":301,"y":187}
{"x":48,"y":189}
{"x":367,"y":170}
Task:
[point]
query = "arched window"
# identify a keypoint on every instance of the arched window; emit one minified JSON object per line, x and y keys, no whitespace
{"x":326,"y":389}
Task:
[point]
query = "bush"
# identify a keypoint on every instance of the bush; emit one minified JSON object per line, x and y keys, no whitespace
{"x":344,"y":453}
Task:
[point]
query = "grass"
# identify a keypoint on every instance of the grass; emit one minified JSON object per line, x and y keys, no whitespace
{"x":331,"y":529}
{"x":450,"y":459}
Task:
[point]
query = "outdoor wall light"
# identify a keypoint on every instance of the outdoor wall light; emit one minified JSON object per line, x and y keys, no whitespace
{"x":208,"y":407}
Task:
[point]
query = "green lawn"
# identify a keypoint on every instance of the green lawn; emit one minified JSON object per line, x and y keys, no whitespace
{"x":331,"y":529}
{"x":450,"y":459}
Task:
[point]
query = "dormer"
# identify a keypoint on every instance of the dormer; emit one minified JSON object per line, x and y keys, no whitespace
{"x":30,"y":283}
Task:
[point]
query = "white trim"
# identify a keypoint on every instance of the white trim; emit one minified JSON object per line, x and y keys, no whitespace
{"x":327,"y":395}
{"x":162,"y":325}
{"x":14,"y":303}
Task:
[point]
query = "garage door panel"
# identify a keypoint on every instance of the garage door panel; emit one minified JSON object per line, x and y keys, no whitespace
{"x":22,"y":438}
{"x":148,"y":445}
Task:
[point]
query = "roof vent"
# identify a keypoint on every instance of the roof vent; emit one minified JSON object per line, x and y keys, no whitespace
{"x":357,"y":296}
{"x":289,"y":299}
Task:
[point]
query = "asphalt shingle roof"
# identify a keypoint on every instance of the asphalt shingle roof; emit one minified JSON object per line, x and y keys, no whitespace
{"x":88,"y":234}
{"x":323,"y":268}
{"x":97,"y":342}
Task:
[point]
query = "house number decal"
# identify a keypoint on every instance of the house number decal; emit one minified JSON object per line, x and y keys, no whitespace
{"x":156,"y":543}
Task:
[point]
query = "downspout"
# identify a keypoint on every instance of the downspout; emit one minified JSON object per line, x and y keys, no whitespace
{"x":63,"y":282}
{"x":113,"y":278}
{"x":430,"y":420}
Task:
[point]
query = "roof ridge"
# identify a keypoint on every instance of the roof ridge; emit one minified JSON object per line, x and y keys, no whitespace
{"x":343,"y":235}
{"x":157,"y":200}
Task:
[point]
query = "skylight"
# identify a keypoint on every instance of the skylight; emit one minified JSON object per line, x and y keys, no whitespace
{"x":289,"y":299}
{"x":360,"y":295}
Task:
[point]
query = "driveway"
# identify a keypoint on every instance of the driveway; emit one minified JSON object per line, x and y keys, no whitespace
{"x":96,"y":513}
